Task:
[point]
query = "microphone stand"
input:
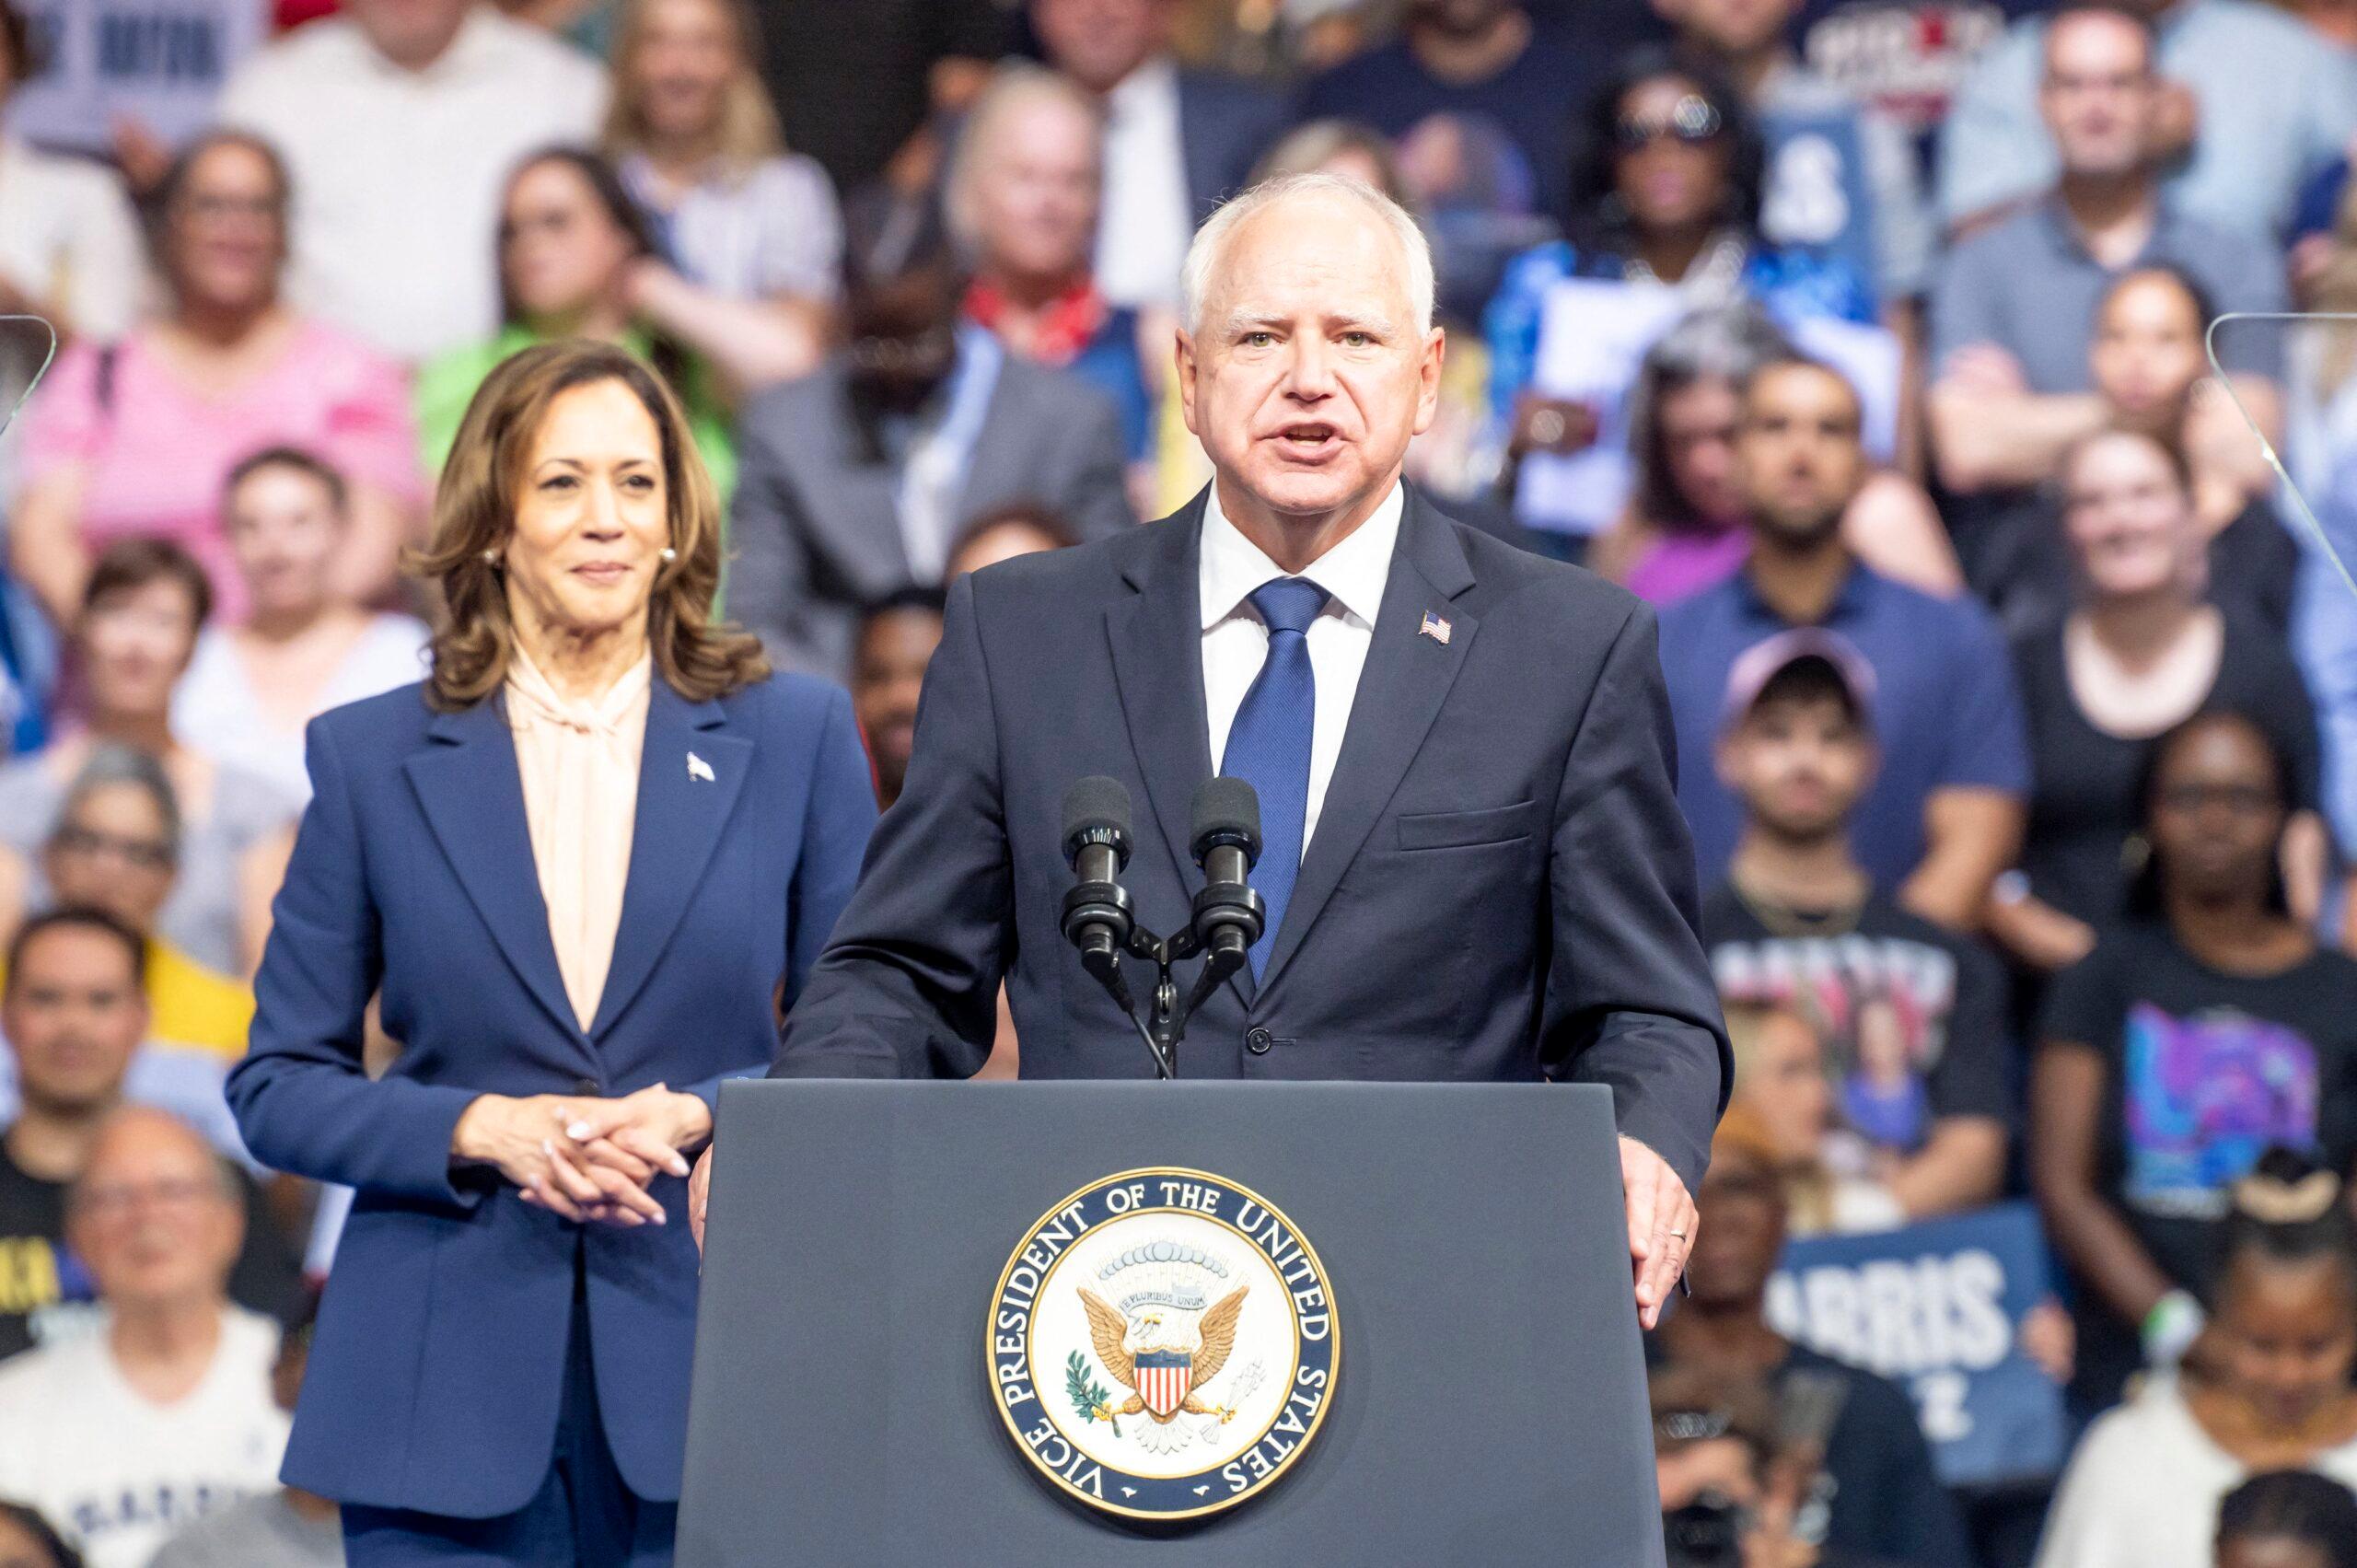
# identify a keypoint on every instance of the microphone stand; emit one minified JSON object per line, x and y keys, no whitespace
{"x":1166,"y":1023}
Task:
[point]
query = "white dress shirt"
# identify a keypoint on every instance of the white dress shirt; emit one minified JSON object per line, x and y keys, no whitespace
{"x":398,"y":174}
{"x":1236,"y":640}
{"x":1144,"y":224}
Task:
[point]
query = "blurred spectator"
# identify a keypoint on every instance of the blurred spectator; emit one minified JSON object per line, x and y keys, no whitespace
{"x":857,"y":479}
{"x":77,"y":1027}
{"x":1024,"y":197}
{"x":1944,"y":813}
{"x":27,"y":1540}
{"x":2321,"y":451}
{"x":285,"y":1528}
{"x":1486,"y":66}
{"x":1001,"y":534}
{"x":135,"y":436}
{"x":2186,"y":1044}
{"x":2142,"y":650}
{"x":1178,"y":141}
{"x":857,"y":87}
{"x":69,"y":247}
{"x":401,"y":118}
{"x":1883,"y":1500}
{"x":2150,"y":372}
{"x":2143,"y":1489}
{"x":2252,"y":105}
{"x":1917,"y":1015}
{"x":128,"y":1433}
{"x":115,"y":845}
{"x":1841,"y":178}
{"x":1782,"y":1100}
{"x":575,"y":258}
{"x":1684,"y":527}
{"x":1729,"y":1483}
{"x":2014,"y":308}
{"x":895,"y":642}
{"x":249,"y":690}
{"x":141,"y":614}
{"x":1668,"y":192}
{"x":750,"y":241}
{"x":2288,"y":1519}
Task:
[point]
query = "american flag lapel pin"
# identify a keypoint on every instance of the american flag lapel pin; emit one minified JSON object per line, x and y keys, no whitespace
{"x":1435,"y":627}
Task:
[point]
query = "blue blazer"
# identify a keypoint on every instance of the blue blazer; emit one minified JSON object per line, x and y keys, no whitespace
{"x":438,"y":1362}
{"x":1500,"y":887}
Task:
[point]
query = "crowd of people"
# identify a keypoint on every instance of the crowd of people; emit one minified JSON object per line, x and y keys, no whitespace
{"x":1929,"y":389}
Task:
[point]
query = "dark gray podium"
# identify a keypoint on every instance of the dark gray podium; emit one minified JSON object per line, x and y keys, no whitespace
{"x":1489,"y":1407}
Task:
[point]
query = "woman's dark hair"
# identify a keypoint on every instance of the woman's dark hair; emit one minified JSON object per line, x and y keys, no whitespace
{"x":294,"y":458}
{"x":2289,"y":1210}
{"x":165,"y":198}
{"x":25,"y":61}
{"x":1727,"y":342}
{"x":2196,"y":293}
{"x":604,"y":183}
{"x":44,"y":1534}
{"x":2144,"y":901}
{"x":135,"y":562}
{"x":2296,"y":1506}
{"x":1599,"y":218}
{"x":1037,"y":516}
{"x":614,"y":198}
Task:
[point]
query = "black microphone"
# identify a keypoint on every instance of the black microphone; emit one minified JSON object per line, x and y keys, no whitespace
{"x":1229,"y":916}
{"x":1097,"y":916}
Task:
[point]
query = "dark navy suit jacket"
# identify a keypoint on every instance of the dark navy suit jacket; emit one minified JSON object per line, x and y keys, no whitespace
{"x":436,"y":1371}
{"x":1224,"y":124}
{"x":1500,"y":886}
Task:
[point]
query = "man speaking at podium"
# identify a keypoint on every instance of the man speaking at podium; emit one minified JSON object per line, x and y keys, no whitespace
{"x":1474,"y":864}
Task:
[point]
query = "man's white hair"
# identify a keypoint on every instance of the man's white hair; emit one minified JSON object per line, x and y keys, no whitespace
{"x":1211,"y":240}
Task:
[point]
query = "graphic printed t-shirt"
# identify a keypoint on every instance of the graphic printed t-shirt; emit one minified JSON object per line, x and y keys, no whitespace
{"x":2204,"y":1071}
{"x":1912,"y":1018}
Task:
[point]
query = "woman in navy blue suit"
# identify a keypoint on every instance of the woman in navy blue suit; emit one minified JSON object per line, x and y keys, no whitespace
{"x":582,"y":866}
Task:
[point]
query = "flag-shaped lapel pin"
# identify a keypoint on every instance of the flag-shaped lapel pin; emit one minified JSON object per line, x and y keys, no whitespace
{"x":1435,"y":627}
{"x":698,"y":769}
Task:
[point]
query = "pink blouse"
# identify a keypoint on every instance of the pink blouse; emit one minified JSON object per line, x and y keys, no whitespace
{"x":156,"y":450}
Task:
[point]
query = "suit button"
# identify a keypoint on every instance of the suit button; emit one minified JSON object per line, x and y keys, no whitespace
{"x":590,"y":1087}
{"x":1257,"y":1041}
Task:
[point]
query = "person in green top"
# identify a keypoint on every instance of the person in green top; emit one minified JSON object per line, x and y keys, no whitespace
{"x":576,"y":260}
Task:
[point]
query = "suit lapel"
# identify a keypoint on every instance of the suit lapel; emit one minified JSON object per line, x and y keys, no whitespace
{"x":680,"y":816}
{"x":1157,"y":641}
{"x":1406,"y":677}
{"x":474,"y":800}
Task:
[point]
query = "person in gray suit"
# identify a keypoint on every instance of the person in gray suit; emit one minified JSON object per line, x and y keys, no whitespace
{"x":853,"y":481}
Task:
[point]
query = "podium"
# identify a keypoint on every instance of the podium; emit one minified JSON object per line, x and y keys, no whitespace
{"x":1487,"y":1397}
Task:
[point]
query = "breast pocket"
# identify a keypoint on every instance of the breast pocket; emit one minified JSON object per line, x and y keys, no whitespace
{"x":1463,"y":829}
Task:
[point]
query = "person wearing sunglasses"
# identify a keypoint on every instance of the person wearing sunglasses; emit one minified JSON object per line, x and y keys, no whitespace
{"x":1666,"y":190}
{"x":2206,"y":1027}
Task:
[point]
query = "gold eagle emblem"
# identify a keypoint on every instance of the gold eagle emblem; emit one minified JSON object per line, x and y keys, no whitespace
{"x":1108,"y":1332}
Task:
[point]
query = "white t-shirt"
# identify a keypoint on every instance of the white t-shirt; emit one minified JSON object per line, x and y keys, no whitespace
{"x":2143,"y":1491}
{"x":216,"y":710}
{"x":118,"y":1474}
{"x":398,"y":174}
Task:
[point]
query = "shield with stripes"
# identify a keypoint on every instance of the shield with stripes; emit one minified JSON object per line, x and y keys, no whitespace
{"x":1163,"y":1378}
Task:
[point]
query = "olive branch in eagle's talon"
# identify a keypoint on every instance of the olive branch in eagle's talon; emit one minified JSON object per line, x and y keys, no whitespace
{"x":1092,"y":1399}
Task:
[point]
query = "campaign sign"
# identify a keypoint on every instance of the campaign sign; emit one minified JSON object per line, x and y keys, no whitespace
{"x":1937,"y":1307}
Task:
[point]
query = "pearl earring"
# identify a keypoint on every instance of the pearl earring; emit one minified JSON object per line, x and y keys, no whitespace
{"x":669,"y":554}
{"x":491,"y":557}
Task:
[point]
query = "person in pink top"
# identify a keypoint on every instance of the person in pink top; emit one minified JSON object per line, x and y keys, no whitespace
{"x":135,"y":436}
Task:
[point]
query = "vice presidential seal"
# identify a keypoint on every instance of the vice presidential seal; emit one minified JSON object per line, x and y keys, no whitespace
{"x":1163,"y":1344}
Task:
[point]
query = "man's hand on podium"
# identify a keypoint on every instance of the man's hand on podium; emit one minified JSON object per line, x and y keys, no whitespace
{"x":1662,"y":1224}
{"x":700,"y":1192}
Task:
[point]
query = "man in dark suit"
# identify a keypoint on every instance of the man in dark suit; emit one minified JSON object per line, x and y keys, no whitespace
{"x":1179,"y":141}
{"x":1474,"y":864}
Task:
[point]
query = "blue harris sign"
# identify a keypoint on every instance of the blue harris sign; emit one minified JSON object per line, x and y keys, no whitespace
{"x":1938,"y":1309}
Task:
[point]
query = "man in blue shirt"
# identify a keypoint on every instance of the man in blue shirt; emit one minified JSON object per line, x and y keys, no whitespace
{"x":1946,"y":811}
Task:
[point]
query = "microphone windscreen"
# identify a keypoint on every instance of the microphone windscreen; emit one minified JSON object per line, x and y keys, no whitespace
{"x":1226,"y":810}
{"x":1094,"y":804}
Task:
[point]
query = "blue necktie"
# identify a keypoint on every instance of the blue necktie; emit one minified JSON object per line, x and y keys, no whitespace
{"x":1268,"y":746}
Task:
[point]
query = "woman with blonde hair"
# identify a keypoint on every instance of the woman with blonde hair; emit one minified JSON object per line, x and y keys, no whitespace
{"x":753,"y":233}
{"x":583,"y":864}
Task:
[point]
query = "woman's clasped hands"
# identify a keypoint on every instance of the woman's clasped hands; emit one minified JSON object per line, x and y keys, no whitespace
{"x":585,"y":1159}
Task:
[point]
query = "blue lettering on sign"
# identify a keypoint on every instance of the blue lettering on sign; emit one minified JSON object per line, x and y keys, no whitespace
{"x":159,"y":46}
